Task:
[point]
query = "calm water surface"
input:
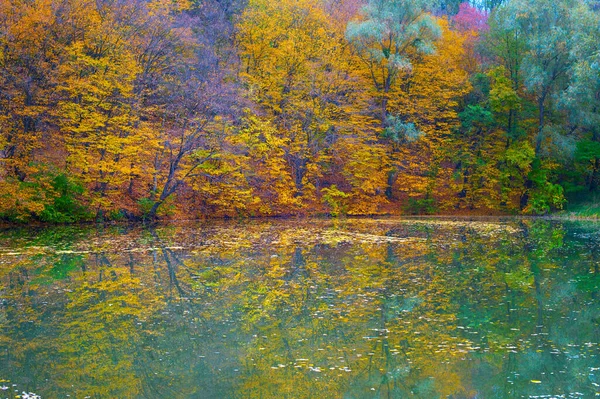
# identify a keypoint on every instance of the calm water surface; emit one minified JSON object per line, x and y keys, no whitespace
{"x":302,"y":309}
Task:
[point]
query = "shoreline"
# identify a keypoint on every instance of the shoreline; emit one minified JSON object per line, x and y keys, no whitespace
{"x":165,"y":222}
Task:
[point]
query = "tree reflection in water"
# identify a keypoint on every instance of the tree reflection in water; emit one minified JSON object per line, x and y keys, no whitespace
{"x":302,"y":309}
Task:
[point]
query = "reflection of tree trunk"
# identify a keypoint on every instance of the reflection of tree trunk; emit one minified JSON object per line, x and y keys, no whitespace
{"x":298,"y":264}
{"x":391,"y":362}
{"x":168,"y":256}
{"x":131,"y":263}
{"x":538,"y":297}
{"x":298,"y":260}
{"x":149,"y":387}
{"x":171,"y":260}
{"x":390,"y":256}
{"x":535,"y":270}
{"x":509,"y":366}
{"x":594,"y":294}
{"x":102,"y":260}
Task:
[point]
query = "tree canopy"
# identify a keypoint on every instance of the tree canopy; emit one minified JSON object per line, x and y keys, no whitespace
{"x":145,"y":109}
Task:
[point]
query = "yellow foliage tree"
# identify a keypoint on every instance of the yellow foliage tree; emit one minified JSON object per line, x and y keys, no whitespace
{"x":428,"y":99}
{"x":106,"y":142}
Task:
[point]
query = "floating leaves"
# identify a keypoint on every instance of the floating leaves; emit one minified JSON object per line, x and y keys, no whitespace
{"x":304,"y":308}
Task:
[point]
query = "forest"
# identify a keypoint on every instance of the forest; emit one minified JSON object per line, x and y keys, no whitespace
{"x":145,"y":109}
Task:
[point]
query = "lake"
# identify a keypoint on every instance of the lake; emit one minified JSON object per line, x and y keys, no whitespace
{"x":309,"y":308}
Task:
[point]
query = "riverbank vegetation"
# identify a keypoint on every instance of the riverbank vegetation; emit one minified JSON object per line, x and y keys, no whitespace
{"x":114,"y":109}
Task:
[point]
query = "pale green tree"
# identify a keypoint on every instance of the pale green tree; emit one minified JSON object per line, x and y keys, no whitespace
{"x":391,"y":34}
{"x":545,"y":33}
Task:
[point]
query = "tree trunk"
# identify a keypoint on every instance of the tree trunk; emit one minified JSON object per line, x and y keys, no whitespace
{"x":389,"y":190}
{"x":152,"y":214}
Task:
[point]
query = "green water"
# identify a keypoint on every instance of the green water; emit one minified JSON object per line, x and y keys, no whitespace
{"x":302,"y":309}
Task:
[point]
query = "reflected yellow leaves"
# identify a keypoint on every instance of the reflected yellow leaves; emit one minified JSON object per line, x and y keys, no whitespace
{"x":299,"y":308}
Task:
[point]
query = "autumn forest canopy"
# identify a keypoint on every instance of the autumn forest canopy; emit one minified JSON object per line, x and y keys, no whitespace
{"x":131,"y":109}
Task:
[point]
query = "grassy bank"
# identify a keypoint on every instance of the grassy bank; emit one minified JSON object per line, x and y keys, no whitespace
{"x":584,"y":210}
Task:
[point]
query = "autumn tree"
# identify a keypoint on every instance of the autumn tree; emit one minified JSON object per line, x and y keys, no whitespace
{"x":31,"y":43}
{"x":388,"y":37}
{"x":189,"y":96}
{"x":142,"y":109}
{"x":303,"y":73}
{"x":96,"y":113}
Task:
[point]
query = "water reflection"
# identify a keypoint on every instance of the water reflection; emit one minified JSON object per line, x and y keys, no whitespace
{"x":302,"y":309}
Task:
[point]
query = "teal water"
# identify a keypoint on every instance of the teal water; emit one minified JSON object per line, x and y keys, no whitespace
{"x":359,"y":308}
